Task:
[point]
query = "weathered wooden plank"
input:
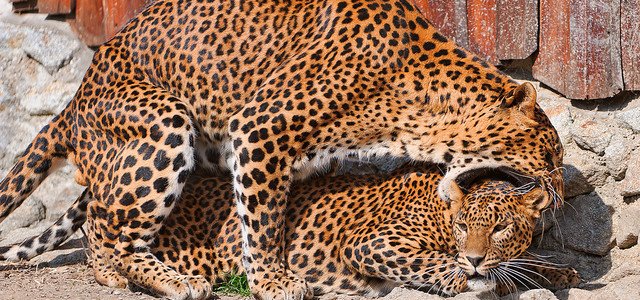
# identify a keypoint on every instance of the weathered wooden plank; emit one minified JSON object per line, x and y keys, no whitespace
{"x":517,"y":22}
{"x":579,"y":48}
{"x":55,"y":7}
{"x":89,"y":22}
{"x":554,"y":44}
{"x":449,"y":16}
{"x":630,"y":43}
{"x":119,"y":12}
{"x":481,"y":26}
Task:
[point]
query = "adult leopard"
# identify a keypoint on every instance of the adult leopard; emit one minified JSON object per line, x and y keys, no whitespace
{"x":273,"y":90}
{"x":355,"y":235}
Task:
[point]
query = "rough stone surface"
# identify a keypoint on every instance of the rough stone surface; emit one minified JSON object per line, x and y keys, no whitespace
{"x":585,"y":225}
{"x":52,"y":49}
{"x":592,"y":135}
{"x":616,"y":155}
{"x":41,"y":65}
{"x":536,"y":295}
{"x":628,"y":222}
{"x":589,"y":165}
{"x":631,"y":184}
{"x":624,"y":289}
{"x":575,"y":182}
{"x":632,"y":118}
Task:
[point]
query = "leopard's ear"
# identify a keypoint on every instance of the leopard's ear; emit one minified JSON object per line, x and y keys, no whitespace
{"x":523,"y":98}
{"x":456,"y":196}
{"x":536,"y":200}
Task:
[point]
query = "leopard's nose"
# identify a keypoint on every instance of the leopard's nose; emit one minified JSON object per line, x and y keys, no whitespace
{"x":475,"y":260}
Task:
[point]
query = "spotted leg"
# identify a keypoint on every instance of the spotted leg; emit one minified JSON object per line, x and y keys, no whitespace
{"x":103,"y":271}
{"x":392,"y":251}
{"x":144,"y":181}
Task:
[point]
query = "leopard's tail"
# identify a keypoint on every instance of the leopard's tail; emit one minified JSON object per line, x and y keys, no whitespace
{"x":55,"y":235}
{"x":48,"y":150}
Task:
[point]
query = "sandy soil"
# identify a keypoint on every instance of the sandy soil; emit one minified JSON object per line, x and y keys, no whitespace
{"x":61,"y":274}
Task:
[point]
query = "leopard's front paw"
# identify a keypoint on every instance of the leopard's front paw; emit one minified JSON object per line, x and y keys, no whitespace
{"x":287,"y":287}
{"x":185,"y":287}
{"x":563,"y":278}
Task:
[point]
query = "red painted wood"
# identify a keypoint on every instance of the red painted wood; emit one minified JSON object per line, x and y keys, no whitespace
{"x":119,"y":12}
{"x":55,"y":7}
{"x":517,"y":28}
{"x":579,"y":52}
{"x":630,"y":43}
{"x":449,"y":16}
{"x":89,"y":22}
{"x":481,"y":26}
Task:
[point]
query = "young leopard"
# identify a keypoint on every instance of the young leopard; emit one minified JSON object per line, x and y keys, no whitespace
{"x":273,"y":90}
{"x":359,"y":235}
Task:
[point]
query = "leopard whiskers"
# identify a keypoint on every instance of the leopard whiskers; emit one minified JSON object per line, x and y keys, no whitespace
{"x":511,"y":286}
{"x":522,"y":268}
{"x":517,"y":275}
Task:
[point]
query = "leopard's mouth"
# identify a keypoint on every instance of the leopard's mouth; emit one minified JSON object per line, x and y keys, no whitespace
{"x":470,"y":177}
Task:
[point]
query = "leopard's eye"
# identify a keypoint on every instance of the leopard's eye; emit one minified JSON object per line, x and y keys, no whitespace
{"x":462,"y":226}
{"x":500,"y":227}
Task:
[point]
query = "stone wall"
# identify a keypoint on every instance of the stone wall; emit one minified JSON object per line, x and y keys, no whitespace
{"x":42,"y":63}
{"x":41,"y":66}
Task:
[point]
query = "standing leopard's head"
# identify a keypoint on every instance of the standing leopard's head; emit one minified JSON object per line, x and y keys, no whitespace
{"x":493,"y":225}
{"x":511,"y":135}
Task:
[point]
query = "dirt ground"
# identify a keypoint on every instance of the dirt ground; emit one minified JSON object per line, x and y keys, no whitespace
{"x":61,"y":274}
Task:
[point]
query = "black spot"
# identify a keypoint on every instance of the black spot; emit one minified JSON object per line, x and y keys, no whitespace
{"x":233,"y":126}
{"x":127,"y":199}
{"x":130,"y":161}
{"x":257,"y":155}
{"x":448,"y":157}
{"x":161,"y":184}
{"x":148,"y":206}
{"x":143,"y":173}
{"x":161,"y":161}
{"x":179,"y":162}
{"x":174,"y":140}
{"x":439,"y":37}
{"x":142,"y":191}
{"x":428,"y":46}
{"x":363,"y":14}
{"x":258,"y":176}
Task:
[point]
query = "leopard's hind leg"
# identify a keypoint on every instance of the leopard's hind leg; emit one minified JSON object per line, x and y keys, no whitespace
{"x":154,"y":156}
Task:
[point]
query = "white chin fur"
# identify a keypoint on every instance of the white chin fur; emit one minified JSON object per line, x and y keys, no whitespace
{"x":480,"y":285}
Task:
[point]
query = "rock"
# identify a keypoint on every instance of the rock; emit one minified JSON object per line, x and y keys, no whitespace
{"x":585,"y":225}
{"x":20,"y":234}
{"x":632,"y":118}
{"x":586,"y":165}
{"x":4,"y":95}
{"x":624,"y":289}
{"x":537,"y":294}
{"x":628,"y":223}
{"x":49,"y":101}
{"x":559,"y":114}
{"x":616,"y":155}
{"x":592,"y":135}
{"x":575,"y":183}
{"x":30,"y":212}
{"x":624,"y":263}
{"x":51,"y":48}
{"x":401,"y":293}
{"x":631,"y":183}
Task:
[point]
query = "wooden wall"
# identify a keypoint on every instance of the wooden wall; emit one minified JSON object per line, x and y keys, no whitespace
{"x":584,"y":49}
